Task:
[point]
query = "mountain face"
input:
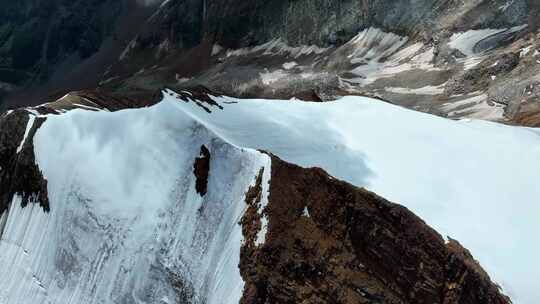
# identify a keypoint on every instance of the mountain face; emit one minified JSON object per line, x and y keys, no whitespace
{"x":46,"y":45}
{"x":325,"y":23}
{"x":367,"y":240}
{"x":166,"y":210}
{"x":457,"y":59}
{"x":193,"y":151}
{"x":36,"y":35}
{"x":474,"y":58}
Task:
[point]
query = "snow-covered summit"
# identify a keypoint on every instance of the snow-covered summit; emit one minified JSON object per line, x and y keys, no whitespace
{"x":127,"y":224}
{"x":471,"y":180}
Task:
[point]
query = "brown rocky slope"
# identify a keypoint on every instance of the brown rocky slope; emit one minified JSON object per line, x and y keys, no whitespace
{"x":330,"y":242}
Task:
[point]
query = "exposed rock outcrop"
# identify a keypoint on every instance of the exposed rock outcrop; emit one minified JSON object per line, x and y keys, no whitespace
{"x":201,"y":169}
{"x":19,"y":173}
{"x":329,"y":242}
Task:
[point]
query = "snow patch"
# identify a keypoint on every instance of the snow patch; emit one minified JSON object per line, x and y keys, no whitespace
{"x":466,"y":41}
{"x":305,"y":212}
{"x":164,"y":3}
{"x":261,"y":235}
{"x":427,"y":90}
{"x":373,"y":44}
{"x":216,"y":49}
{"x":86,"y":107}
{"x":476,"y":107}
{"x":181,"y":80}
{"x":506,"y":5}
{"x":524,"y":51}
{"x":379,"y":54}
{"x":279,"y":47}
{"x":132,"y":45}
{"x":268,"y":78}
{"x":29,"y":124}
{"x":289,"y":65}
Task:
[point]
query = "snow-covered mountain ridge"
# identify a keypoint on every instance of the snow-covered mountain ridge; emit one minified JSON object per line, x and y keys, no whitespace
{"x":471,"y":180}
{"x":125,"y":221}
{"x":248,"y":179}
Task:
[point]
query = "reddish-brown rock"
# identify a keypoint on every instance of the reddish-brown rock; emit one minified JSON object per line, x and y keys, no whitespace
{"x":330,"y":242}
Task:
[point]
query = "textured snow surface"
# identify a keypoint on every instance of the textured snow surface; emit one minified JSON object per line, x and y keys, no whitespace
{"x":126,"y":224}
{"x":474,"y":181}
{"x":125,"y":216}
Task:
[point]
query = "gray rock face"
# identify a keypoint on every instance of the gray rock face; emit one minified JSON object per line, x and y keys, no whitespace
{"x":37,"y":38}
{"x":48,"y":42}
{"x":36,"y":35}
{"x":478,"y":78}
{"x":533,"y":7}
{"x":322,"y":22}
{"x":19,"y":173}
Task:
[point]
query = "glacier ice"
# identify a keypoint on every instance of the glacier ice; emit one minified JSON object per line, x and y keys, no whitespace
{"x":126,"y":225}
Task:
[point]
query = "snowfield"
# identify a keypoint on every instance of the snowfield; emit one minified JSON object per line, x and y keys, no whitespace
{"x":125,"y":215}
{"x":126,"y":224}
{"x":474,"y":181}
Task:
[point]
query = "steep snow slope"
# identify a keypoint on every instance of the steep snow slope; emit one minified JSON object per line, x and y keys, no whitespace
{"x":126,"y":223}
{"x":471,"y":180}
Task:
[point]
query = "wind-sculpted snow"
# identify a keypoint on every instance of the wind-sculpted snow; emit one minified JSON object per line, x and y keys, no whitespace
{"x":126,"y":224}
{"x":474,"y":181}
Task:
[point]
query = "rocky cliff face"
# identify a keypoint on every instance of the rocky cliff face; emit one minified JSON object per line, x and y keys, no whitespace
{"x":458,"y":59}
{"x":323,"y":23}
{"x":329,"y":242}
{"x":126,"y":47}
{"x":62,"y":45}
{"x":19,"y":173}
{"x":36,"y":36}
